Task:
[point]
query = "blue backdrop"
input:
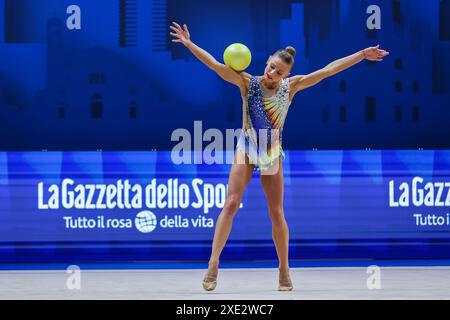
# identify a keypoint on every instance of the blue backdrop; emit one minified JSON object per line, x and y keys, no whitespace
{"x":118,"y":83}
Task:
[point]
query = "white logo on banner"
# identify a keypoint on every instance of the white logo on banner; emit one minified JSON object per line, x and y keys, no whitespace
{"x":122,"y":194}
{"x":145,"y":221}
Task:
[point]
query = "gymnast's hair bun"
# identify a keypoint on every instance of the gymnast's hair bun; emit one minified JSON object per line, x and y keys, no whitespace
{"x":291,"y":51}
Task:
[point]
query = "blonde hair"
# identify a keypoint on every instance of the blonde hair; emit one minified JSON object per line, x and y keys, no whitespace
{"x":287,"y":55}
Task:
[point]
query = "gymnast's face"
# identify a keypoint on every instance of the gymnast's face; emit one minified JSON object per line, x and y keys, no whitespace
{"x":276,"y":70}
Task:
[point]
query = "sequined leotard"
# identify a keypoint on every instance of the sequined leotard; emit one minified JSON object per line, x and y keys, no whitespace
{"x":261,"y":138}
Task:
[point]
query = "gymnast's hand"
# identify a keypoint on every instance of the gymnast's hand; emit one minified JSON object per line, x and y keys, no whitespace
{"x":181,"y":35}
{"x":374,"y":53}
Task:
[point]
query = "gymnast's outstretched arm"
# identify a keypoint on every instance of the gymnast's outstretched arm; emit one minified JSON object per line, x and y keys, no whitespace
{"x":182,"y":35}
{"x":301,"y":82}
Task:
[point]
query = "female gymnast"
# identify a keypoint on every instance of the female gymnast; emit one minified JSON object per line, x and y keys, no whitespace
{"x":266,"y":100}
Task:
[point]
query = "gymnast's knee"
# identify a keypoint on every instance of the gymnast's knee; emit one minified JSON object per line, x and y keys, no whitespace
{"x":276,"y":215}
{"x":232,"y":205}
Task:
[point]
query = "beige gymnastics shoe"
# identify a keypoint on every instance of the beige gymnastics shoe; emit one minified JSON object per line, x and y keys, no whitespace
{"x":285,"y":282}
{"x":210,"y":280}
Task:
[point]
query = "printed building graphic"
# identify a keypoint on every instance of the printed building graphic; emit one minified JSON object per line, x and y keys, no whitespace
{"x":128,"y":23}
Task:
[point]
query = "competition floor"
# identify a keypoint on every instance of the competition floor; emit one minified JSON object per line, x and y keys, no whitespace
{"x":401,"y":282}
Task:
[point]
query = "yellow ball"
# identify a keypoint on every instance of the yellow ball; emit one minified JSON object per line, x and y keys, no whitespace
{"x":237,"y":56}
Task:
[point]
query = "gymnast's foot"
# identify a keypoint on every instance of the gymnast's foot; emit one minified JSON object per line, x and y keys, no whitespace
{"x":284,"y":281}
{"x":210,"y":279}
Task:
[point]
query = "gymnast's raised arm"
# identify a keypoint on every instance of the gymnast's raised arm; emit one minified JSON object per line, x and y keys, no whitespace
{"x":182,"y":35}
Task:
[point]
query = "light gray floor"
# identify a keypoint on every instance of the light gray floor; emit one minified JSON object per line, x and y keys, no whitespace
{"x":260,"y":284}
